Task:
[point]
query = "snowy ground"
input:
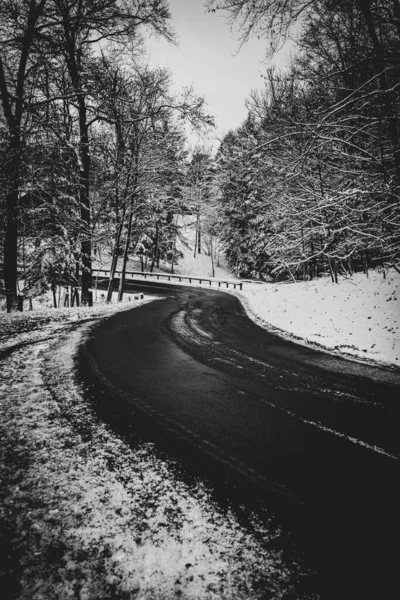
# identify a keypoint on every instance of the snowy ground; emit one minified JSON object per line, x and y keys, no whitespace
{"x":86,"y":514}
{"x":359,"y":317}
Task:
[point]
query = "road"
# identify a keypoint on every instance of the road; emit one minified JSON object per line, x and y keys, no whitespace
{"x":314,"y":435}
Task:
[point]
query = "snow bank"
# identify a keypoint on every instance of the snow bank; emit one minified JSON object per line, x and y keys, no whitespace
{"x":360,"y":316}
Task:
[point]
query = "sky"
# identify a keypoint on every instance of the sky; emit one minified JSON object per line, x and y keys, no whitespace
{"x":209,"y":57}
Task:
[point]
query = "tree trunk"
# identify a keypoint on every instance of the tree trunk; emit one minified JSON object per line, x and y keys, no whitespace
{"x":365,"y":264}
{"x":13,"y":113}
{"x":349,"y":262}
{"x":212,"y":257}
{"x":74,"y":50}
{"x":125,"y":257}
{"x":331,"y":270}
{"x":114,"y":261}
{"x":86,"y":245}
{"x":54,"y":289}
{"x":304,"y":266}
{"x":313,"y":263}
{"x":195,"y":241}
{"x":198,"y":234}
{"x":120,"y":159}
{"x":13,"y":168}
{"x":335,"y":270}
{"x":10,"y":272}
{"x":155,"y":251}
{"x":74,"y":297}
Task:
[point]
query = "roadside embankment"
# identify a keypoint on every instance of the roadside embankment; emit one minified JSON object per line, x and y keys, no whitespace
{"x":359,"y":317}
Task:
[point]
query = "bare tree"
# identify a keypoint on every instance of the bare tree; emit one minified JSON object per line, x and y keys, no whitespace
{"x":20,"y":23}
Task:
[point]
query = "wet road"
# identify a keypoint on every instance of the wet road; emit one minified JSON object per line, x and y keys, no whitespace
{"x":315,"y":435}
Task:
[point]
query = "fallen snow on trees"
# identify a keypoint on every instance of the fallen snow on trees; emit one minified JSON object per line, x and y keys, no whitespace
{"x":85,"y":514}
{"x":360,"y":316}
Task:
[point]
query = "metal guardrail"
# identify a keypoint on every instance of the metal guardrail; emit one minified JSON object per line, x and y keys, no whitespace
{"x":170,"y":276}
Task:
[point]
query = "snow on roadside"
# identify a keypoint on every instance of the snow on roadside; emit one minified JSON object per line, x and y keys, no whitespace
{"x":86,"y":515}
{"x":16,"y":328}
{"x":360,"y":316}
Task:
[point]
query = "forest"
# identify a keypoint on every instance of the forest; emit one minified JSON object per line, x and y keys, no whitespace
{"x":309,"y":183}
{"x":92,"y":141}
{"x":94,"y":153}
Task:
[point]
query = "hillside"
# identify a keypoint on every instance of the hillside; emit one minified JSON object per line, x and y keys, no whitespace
{"x":360,"y":316}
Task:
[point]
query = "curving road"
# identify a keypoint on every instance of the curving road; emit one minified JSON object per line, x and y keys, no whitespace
{"x":314,"y":434}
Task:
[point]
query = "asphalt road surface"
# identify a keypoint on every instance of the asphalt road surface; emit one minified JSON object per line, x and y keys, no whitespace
{"x":314,"y":435}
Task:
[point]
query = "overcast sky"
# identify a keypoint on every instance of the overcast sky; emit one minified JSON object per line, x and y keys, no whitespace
{"x":208,"y":58}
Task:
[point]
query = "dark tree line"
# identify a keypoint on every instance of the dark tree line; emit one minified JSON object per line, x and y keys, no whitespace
{"x":310,"y":181}
{"x":91,"y":139}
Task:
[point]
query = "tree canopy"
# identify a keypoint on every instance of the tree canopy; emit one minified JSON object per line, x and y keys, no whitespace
{"x":85,"y":126}
{"x":310,"y":181}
